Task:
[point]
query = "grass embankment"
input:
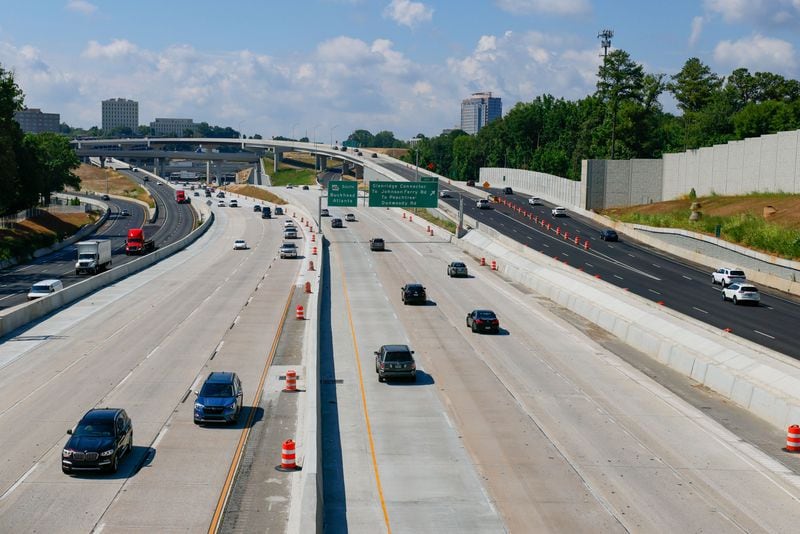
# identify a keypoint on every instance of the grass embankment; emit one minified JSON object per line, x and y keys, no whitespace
{"x":254,"y":192}
{"x":294,"y":177}
{"x":423,"y":213}
{"x":741,"y":219}
{"x":96,"y":180}
{"x":40,"y":232}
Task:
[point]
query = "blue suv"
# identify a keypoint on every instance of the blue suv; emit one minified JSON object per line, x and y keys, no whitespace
{"x":219,"y":400}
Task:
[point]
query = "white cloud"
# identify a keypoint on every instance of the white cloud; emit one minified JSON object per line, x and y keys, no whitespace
{"x":556,"y":7}
{"x":81,"y":6}
{"x":408,"y":13}
{"x":697,"y":29}
{"x":765,"y":13}
{"x":758,"y":53}
{"x":116,"y":49}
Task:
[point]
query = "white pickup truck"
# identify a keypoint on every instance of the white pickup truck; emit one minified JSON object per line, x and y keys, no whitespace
{"x":726,"y":276}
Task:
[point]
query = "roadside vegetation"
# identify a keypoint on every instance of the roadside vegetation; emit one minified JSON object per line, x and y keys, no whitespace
{"x":423,"y":213}
{"x":100,"y":181}
{"x":254,"y":192}
{"x":41,"y":231}
{"x":741,"y":219}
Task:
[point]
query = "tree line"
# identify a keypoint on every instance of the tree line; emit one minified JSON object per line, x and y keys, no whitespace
{"x":622,"y":119}
{"x":32,"y":166}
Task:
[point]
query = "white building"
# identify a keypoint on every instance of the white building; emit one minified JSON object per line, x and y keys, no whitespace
{"x":120,"y":113}
{"x":165,"y":126}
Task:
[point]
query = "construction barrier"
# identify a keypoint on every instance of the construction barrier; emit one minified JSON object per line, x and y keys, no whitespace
{"x":793,"y":439}
{"x":291,"y":380}
{"x":308,"y":284}
{"x":288,"y":456}
{"x":586,"y":245}
{"x":313,"y":251}
{"x":310,"y":268}
{"x":313,"y":238}
{"x":494,"y":265}
{"x":300,"y":312}
{"x":577,"y":240}
{"x":483,"y":262}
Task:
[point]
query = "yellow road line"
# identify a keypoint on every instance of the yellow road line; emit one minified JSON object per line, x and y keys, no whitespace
{"x":237,"y":457}
{"x":364,"y":399}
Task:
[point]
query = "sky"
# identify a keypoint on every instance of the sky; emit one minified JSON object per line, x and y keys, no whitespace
{"x":324,"y":68}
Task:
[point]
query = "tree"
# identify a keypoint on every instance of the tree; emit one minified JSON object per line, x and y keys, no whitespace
{"x":362,"y":137}
{"x":694,"y":86}
{"x":619,"y":79}
{"x":55,"y":162}
{"x":16,"y":195}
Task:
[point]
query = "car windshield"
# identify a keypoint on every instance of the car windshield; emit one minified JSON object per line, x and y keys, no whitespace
{"x":458,"y":264}
{"x":749,"y":289}
{"x":40,"y":288}
{"x":738,"y":273}
{"x":94,"y":429}
{"x":413,"y":287}
{"x":86,"y":256}
{"x":214,"y":389}
{"x":399,"y":357}
{"x":483,"y":314}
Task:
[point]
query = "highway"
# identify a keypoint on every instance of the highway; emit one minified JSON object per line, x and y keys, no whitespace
{"x":144,"y":344}
{"x":174,"y":220}
{"x":561,"y":433}
{"x":649,"y":273}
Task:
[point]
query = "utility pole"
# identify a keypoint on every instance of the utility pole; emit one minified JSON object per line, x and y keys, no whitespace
{"x":605,"y":43}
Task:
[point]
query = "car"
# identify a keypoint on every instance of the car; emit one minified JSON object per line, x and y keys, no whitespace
{"x":336,"y":223}
{"x":234,"y":203}
{"x":726,"y":276}
{"x":304,"y":188}
{"x":105,"y":197}
{"x":358,"y":153}
{"x":470,"y":183}
{"x":481,"y":320}
{"x":288,"y":250}
{"x":221,"y":203}
{"x":377,"y":244}
{"x":413,"y":294}
{"x":44,"y":288}
{"x":289,"y":186}
{"x":740,"y":292}
{"x":98,"y":442}
{"x":240,"y":244}
{"x":559,"y":211}
{"x":124,"y":213}
{"x":457,"y":268}
{"x":134,"y":169}
{"x":288,"y":222}
{"x":208,"y":193}
{"x":335,"y":147}
{"x":344,"y":149}
{"x":324,"y":212}
{"x":196,"y":194}
{"x":374,"y":155}
{"x":350,"y":217}
{"x":219,"y":400}
{"x":395,"y":361}
{"x":535,"y":201}
{"x":483,"y":204}
{"x":290,"y":232}
{"x":266,"y":213}
{"x":278,"y":210}
{"x":508,"y":191}
{"x":221,"y":194}
{"x":609,"y":235}
{"x":444,"y":193}
{"x":256,"y":208}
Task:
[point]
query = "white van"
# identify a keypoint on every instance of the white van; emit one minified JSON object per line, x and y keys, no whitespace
{"x":44,"y":288}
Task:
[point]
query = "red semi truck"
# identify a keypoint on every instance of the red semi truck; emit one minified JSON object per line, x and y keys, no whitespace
{"x":180,"y":197}
{"x":140,"y":240}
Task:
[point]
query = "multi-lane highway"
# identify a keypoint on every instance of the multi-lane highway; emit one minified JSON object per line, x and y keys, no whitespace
{"x":174,"y":221}
{"x":642,"y":270}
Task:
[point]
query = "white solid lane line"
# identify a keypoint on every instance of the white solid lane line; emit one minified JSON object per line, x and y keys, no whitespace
{"x":763,"y":334}
{"x":698,"y":309}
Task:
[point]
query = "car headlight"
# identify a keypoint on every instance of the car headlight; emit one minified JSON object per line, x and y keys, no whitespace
{"x":198,"y":406}
{"x":231,"y":406}
{"x":66,"y":453}
{"x":107,"y":453}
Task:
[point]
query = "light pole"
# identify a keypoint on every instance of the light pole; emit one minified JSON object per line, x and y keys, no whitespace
{"x":332,"y":129}
{"x":314,"y":130}
{"x":239,"y":129}
{"x":293,"y":125}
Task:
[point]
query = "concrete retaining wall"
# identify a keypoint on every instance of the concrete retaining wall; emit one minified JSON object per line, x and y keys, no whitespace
{"x":552,"y":188}
{"x":764,"y":382}
{"x":615,"y":183}
{"x":21,"y":315}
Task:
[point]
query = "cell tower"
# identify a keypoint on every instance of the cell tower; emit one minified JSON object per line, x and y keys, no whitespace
{"x":605,"y":41}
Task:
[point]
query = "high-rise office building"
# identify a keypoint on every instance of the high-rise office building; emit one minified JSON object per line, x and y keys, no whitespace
{"x":120,"y":112}
{"x":164,"y":126}
{"x":34,"y":121}
{"x":479,"y":110}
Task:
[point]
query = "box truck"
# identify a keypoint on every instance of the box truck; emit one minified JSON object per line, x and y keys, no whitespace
{"x":93,"y":256}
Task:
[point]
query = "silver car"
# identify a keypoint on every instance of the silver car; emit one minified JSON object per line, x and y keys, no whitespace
{"x":288,"y":250}
{"x":738,"y":292}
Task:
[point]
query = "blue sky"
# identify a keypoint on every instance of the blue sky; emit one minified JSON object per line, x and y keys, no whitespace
{"x":332,"y":66}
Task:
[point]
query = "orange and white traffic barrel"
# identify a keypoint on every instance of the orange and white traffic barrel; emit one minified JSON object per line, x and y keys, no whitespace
{"x":793,"y":439}
{"x":291,"y":380}
{"x":300,"y":312}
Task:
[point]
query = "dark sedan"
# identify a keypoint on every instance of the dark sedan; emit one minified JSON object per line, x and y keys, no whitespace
{"x":336,"y":223}
{"x":609,"y":235}
{"x":414,"y":294}
{"x":98,"y":442}
{"x":483,"y":321}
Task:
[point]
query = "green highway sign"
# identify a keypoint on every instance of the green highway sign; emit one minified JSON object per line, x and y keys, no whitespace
{"x":403,"y":194}
{"x":428,"y":179}
{"x":342,"y":193}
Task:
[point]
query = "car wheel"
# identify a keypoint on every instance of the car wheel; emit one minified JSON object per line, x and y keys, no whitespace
{"x":380,"y":378}
{"x":735,"y":301}
{"x":723,"y":297}
{"x":473,"y":328}
{"x":114,"y":464}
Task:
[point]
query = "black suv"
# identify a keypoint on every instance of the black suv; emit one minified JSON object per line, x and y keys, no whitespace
{"x":98,"y":441}
{"x":414,"y":294}
{"x":609,"y":235}
{"x":395,"y":361}
{"x":376,"y":243}
{"x":219,"y":400}
{"x":266,"y":212}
